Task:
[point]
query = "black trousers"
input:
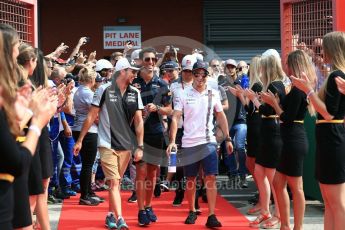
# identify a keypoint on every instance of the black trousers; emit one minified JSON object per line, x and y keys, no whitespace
{"x":88,"y":153}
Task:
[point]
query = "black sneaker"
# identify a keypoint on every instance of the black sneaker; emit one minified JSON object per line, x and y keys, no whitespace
{"x":53,"y":200}
{"x":143,"y":219}
{"x":191,"y":218}
{"x":212,"y":222}
{"x":88,"y":201}
{"x":60,"y":195}
{"x":133,"y":198}
{"x":97,"y":198}
{"x":150,"y":214}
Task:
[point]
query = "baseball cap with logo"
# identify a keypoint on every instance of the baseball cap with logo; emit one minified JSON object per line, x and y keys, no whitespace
{"x":200,"y":65}
{"x":103,"y":64}
{"x":231,"y":62}
{"x":123,"y":63}
{"x":188,"y":62}
{"x":170,"y":65}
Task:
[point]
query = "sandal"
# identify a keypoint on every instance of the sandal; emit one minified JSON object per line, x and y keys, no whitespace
{"x":261,"y":218}
{"x":254,"y":210}
{"x":272,"y":223}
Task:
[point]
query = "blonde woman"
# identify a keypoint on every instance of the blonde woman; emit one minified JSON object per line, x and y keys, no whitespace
{"x":267,"y":158}
{"x":329,"y":103}
{"x":82,"y":103}
{"x":291,"y":112}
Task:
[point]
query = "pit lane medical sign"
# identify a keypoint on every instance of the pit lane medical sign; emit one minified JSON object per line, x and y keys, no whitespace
{"x":115,"y":37}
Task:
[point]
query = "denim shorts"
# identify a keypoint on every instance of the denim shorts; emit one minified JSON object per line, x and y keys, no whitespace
{"x":204,"y":155}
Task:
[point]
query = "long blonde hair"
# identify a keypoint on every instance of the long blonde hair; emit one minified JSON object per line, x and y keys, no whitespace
{"x":7,"y":83}
{"x":271,"y":70}
{"x":334,"y":49}
{"x":254,"y":71}
{"x":299,"y":61}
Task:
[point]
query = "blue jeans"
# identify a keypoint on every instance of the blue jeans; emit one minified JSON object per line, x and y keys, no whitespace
{"x":236,"y":162}
{"x":70,"y":161}
{"x":58,"y":156}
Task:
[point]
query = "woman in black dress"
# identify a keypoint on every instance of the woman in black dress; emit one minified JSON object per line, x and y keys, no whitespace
{"x":40,"y":78}
{"x":253,"y":120}
{"x":329,"y":103}
{"x":270,"y":143}
{"x":295,"y":143}
{"x":15,"y":159}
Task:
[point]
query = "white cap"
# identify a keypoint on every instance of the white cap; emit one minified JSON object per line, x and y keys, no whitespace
{"x":103,"y":64}
{"x":231,"y":62}
{"x":135,"y":54}
{"x":123,"y":63}
{"x":272,"y":52}
{"x":188,"y":62}
{"x":198,"y":56}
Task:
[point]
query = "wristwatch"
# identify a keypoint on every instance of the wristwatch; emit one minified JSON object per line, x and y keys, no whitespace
{"x":228,"y":139}
{"x":141,"y":147}
{"x":158,"y":107}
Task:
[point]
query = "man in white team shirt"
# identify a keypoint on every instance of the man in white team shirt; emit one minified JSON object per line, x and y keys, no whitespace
{"x":199,"y":104}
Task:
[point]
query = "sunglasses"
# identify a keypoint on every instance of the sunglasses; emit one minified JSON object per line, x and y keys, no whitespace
{"x":148,"y":59}
{"x":203,"y":75}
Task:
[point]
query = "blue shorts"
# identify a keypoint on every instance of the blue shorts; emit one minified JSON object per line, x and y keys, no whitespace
{"x":205,"y":155}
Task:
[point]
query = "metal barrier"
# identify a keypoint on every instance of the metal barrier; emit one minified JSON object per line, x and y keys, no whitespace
{"x":22,"y":16}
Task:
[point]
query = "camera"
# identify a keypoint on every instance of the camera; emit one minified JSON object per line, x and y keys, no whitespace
{"x":87,"y":39}
{"x":129,"y":42}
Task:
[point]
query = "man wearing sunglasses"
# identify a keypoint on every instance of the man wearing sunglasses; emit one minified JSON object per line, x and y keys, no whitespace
{"x":156,"y":98}
{"x":198,"y":104}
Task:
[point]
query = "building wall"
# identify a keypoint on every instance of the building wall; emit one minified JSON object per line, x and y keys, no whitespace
{"x":68,"y":20}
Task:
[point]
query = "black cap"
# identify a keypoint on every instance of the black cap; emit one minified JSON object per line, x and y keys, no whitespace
{"x":200,"y":65}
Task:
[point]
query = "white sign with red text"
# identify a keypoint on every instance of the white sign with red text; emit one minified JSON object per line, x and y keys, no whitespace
{"x":115,"y":37}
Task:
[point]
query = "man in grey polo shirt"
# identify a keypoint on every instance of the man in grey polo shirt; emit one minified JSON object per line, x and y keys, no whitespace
{"x":119,"y":106}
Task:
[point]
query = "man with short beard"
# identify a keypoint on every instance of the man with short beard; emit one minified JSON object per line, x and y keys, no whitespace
{"x":119,"y":106}
{"x":156,"y":98}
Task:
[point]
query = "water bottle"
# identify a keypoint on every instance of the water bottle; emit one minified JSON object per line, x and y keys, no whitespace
{"x":172,"y":161}
{"x":245,"y":81}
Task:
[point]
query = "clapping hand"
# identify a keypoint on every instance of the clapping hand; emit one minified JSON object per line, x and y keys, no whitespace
{"x":302,"y":83}
{"x":269,"y":98}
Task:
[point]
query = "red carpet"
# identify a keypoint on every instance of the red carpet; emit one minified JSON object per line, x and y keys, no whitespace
{"x":75,"y":216}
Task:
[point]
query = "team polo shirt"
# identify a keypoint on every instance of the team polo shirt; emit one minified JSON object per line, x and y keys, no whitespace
{"x":198,"y":125}
{"x":116,"y":115}
{"x":157,"y":92}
